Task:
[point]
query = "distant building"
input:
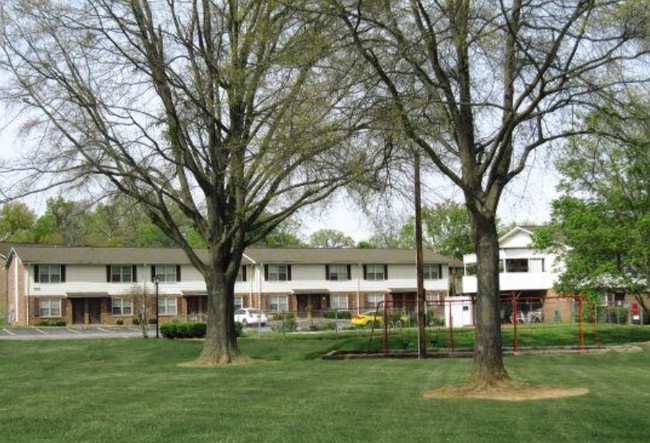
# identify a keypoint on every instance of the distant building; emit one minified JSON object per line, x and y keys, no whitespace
{"x":87,"y":285}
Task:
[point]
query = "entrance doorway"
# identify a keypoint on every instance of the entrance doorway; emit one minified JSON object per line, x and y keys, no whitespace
{"x":316,"y":303}
{"x":196,"y":308}
{"x":86,"y":311}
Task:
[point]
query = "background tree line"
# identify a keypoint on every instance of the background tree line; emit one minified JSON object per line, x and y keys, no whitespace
{"x":118,"y":222}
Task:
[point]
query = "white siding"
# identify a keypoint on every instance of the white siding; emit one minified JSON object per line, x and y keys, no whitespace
{"x":305,"y":277}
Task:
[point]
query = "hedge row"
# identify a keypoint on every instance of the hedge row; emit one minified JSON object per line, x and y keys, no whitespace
{"x":183,"y":330}
{"x":189,"y":330}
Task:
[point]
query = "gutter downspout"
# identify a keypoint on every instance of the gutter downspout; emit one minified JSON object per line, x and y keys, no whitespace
{"x":16,"y":308}
{"x":27,"y":297}
{"x":358,"y":288}
{"x":261,"y":279}
{"x":251,"y":286}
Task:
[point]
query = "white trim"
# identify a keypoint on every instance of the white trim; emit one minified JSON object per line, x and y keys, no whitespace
{"x":16,"y":304}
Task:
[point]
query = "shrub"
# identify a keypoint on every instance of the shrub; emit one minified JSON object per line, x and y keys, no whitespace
{"x":613,"y":314}
{"x":119,"y":322}
{"x":190,"y":329}
{"x":283,"y":316}
{"x":183,"y":330}
{"x":152,"y":321}
{"x":135,"y":321}
{"x":287,"y":325}
{"x":50,"y":323}
{"x":333,"y":313}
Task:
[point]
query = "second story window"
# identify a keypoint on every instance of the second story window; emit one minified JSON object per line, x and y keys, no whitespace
{"x":375,"y":272}
{"x":277,"y":272}
{"x":517,"y":265}
{"x":166,"y":273}
{"x":337,"y":272}
{"x":432,"y":272}
{"x":241,"y":275}
{"x":49,"y":274}
{"x":121,"y":274}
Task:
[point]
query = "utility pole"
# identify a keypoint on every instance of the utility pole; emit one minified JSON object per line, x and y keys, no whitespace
{"x":422,"y":340}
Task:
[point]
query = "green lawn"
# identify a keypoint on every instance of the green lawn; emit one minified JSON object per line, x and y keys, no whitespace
{"x":133,"y":390}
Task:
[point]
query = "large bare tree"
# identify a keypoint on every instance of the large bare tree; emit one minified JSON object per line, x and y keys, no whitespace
{"x":478,"y":86}
{"x":234,"y":112}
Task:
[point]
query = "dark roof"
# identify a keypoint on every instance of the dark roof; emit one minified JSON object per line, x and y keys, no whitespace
{"x":341,"y":255}
{"x":107,"y":255}
{"x":96,"y":255}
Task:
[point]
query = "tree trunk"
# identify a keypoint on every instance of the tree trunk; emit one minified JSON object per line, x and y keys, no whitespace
{"x":220,"y":345}
{"x":488,"y":368}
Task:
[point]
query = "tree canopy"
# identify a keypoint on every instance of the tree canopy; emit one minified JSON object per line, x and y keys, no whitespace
{"x":601,"y":225}
{"x":330,"y":238}
{"x":233,"y":114}
{"x":477,"y":87}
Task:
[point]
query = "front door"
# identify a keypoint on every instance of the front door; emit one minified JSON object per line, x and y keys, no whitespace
{"x":94,"y":310}
{"x":195,"y":308}
{"x":78,"y":310}
{"x":314,"y":303}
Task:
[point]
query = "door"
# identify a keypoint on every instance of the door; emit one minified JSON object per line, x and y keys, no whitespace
{"x":94,"y":310}
{"x":78,"y":310}
{"x":195,"y":308}
{"x":313,"y":304}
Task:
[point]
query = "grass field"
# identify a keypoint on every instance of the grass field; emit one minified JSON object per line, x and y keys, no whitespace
{"x":133,"y":390}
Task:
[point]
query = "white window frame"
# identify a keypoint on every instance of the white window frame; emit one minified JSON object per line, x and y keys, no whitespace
{"x":239,"y":302}
{"x":431,"y":272}
{"x":337,"y":272}
{"x":374,"y":298}
{"x":121,"y":306}
{"x":278,"y":303}
{"x":49,"y":273}
{"x":165,"y":273}
{"x":49,"y":308}
{"x":278,"y":272}
{"x":373,"y":272}
{"x":339,"y":302}
{"x":119,"y":272}
{"x":167,"y":306}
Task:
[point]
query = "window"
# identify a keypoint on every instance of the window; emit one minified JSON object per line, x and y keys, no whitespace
{"x":517,"y":265}
{"x":470,"y":269}
{"x":239,"y":302}
{"x":49,"y":308}
{"x":241,"y":275}
{"x":167,"y":306}
{"x":49,"y":274}
{"x":432,"y":272}
{"x":375,"y":272}
{"x":277,"y":272}
{"x":337,"y":272}
{"x":278,"y":303}
{"x":121,"y":274}
{"x":374,"y":299}
{"x":339,"y":302}
{"x":121,"y":306}
{"x":166,"y":273}
{"x":536,"y":265}
{"x":432,"y":296}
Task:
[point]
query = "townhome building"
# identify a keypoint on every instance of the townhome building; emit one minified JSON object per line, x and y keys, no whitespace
{"x":89,"y":285}
{"x":525,"y":274}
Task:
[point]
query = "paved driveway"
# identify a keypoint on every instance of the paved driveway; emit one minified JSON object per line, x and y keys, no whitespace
{"x":71,"y":332}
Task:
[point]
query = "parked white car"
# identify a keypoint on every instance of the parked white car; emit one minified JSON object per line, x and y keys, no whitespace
{"x":250,"y":316}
